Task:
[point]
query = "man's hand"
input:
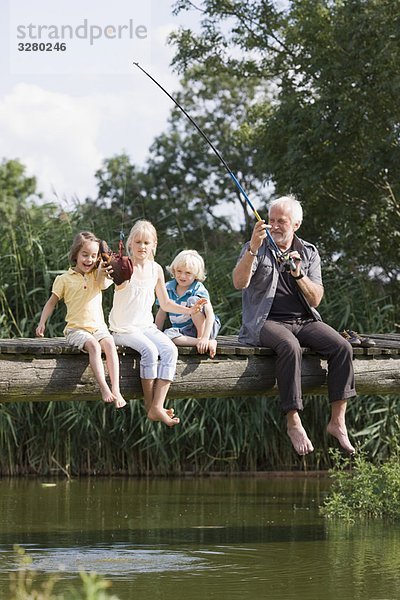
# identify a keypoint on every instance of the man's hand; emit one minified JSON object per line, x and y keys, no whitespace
{"x":258,"y":236}
{"x":297,"y":261}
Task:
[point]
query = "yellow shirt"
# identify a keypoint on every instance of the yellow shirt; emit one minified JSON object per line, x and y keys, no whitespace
{"x":83,"y":299}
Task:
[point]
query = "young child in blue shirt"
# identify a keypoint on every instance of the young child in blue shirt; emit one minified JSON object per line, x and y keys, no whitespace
{"x":186,"y":287}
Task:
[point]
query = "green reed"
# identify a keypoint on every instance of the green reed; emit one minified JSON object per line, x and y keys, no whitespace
{"x":215,"y":435}
{"x":229,"y":435}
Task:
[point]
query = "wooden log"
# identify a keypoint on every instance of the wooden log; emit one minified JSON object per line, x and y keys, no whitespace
{"x":47,"y":369}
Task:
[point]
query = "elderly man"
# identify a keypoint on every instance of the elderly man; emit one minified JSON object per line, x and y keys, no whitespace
{"x":279,"y":312}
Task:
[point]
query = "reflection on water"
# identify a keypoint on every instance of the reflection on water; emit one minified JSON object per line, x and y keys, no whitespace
{"x":247,"y":538}
{"x":119,"y":560}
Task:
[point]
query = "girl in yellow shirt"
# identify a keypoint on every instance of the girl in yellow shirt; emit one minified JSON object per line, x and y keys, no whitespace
{"x":81,"y":289}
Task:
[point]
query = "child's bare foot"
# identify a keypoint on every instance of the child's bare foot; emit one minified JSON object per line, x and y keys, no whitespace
{"x":107,"y":395}
{"x":162,"y":415}
{"x":119,"y":401}
{"x":170,"y":412}
{"x":212,"y":348}
{"x":299,"y":439}
{"x":339,"y":431}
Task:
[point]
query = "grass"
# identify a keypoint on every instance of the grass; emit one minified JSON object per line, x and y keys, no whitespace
{"x":227,"y":435}
{"x":215,"y":435}
{"x":362,"y":490}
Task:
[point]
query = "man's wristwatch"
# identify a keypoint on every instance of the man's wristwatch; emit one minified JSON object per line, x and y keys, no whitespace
{"x":252,"y":253}
{"x":299,"y":276}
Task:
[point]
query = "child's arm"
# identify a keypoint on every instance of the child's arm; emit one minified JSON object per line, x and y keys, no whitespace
{"x":103,"y":276}
{"x":46,"y":313}
{"x":168,"y":305}
{"x":160,"y":318}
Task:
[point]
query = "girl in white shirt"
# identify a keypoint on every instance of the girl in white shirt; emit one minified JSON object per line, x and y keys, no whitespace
{"x":132,"y":322}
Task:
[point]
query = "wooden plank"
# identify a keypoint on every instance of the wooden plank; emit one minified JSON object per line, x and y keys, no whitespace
{"x":47,"y":369}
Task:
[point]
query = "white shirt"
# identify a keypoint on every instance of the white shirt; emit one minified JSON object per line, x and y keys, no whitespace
{"x":132,"y":305}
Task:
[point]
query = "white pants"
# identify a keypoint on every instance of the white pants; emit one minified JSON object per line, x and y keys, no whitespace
{"x":158,"y":353}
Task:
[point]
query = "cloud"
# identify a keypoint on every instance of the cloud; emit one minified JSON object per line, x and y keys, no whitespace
{"x":54,"y":135}
{"x":62,"y":127}
{"x":62,"y":139}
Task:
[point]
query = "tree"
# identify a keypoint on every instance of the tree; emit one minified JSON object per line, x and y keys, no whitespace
{"x":33,"y":239}
{"x":121,"y":198}
{"x":332,"y":134}
{"x":190,"y":181}
{"x":15,"y":189}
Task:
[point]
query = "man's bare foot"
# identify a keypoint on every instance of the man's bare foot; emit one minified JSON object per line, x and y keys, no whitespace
{"x":162,"y":415}
{"x":119,"y":401}
{"x":212,"y":348}
{"x":339,"y":431}
{"x":299,"y":439}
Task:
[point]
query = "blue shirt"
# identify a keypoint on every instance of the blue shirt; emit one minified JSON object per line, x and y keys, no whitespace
{"x":196,"y":289}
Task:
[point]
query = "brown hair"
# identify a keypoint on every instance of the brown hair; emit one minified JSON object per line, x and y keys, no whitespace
{"x":78,"y":241}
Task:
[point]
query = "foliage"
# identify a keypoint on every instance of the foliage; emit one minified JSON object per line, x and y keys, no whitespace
{"x":217,"y":434}
{"x":32,"y":248}
{"x":362,"y":490}
{"x":25,"y":584}
{"x":331,"y":133}
{"x":190,"y":183}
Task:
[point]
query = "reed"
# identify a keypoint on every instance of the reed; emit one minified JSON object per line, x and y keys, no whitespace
{"x":215,"y":435}
{"x":228,"y":435}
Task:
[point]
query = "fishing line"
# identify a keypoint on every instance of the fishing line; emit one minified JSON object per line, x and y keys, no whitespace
{"x":280,"y":255}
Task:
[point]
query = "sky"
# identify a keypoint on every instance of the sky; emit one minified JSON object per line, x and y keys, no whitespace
{"x":65,"y":108}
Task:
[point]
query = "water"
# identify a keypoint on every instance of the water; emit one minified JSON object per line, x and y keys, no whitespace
{"x":245,"y":538}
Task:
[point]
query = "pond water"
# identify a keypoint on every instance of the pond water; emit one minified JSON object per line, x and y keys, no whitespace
{"x":247,"y":538}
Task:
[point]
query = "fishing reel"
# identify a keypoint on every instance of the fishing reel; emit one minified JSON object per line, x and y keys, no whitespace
{"x":288,"y":263}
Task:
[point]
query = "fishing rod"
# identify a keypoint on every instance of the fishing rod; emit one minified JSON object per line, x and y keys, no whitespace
{"x":281,"y":256}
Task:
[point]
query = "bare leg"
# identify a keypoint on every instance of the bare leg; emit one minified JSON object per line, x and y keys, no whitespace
{"x":94,"y":350}
{"x":297,"y":433}
{"x":185,"y":340}
{"x":147,"y":387}
{"x":199,"y":321}
{"x":157,"y":412}
{"x":212,"y":348}
{"x":337,"y":425}
{"x":110,"y":351}
{"x":148,"y":392}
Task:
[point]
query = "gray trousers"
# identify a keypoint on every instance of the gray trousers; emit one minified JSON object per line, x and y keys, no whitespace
{"x":287,"y":338}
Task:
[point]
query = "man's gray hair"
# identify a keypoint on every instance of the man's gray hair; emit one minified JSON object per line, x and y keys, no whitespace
{"x":291,"y":205}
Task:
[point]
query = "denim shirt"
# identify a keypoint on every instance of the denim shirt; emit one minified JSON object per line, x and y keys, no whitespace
{"x":258,"y":297}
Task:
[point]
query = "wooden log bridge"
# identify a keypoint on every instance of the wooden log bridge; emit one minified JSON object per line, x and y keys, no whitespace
{"x":46,"y":369}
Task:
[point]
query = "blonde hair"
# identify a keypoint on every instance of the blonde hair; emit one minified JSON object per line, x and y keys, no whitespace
{"x":190,"y":259}
{"x":79,"y":240}
{"x":140,"y":228}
